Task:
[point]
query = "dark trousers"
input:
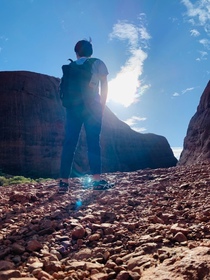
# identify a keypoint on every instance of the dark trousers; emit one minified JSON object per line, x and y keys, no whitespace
{"x":92,"y":120}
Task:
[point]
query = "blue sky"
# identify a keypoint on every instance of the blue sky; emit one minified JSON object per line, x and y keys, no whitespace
{"x":157,"y":53}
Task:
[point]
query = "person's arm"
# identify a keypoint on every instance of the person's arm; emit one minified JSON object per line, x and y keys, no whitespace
{"x":103,"y":91}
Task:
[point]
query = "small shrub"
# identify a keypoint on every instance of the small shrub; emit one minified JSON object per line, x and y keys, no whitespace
{"x":12,"y":180}
{"x":19,"y":180}
{"x":3,"y":181}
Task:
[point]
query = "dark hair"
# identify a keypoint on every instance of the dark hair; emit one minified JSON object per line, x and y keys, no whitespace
{"x":83,"y":48}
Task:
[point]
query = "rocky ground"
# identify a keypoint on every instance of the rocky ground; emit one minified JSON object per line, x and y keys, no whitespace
{"x":154,"y":224}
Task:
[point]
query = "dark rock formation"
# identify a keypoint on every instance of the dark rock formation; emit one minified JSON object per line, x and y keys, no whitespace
{"x":197,"y":141}
{"x":32,"y":124}
{"x":32,"y":130}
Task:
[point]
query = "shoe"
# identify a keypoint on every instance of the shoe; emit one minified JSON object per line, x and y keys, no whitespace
{"x":102,"y":185}
{"x":63,"y":187}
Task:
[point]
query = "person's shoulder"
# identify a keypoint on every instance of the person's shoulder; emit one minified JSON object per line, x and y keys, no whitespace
{"x":97,"y":61}
{"x":99,"y":67}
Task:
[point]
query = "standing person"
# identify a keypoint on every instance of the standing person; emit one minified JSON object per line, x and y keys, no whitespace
{"x":88,"y":111}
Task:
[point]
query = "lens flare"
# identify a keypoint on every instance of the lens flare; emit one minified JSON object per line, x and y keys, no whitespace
{"x":78,"y":203}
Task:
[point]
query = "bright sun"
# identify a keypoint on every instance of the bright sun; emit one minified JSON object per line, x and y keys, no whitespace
{"x":123,"y":88}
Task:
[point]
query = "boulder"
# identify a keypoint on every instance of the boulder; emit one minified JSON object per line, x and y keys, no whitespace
{"x":197,"y":141}
{"x":32,"y":131}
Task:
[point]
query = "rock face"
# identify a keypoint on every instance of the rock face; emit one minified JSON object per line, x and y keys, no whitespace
{"x":142,"y":228}
{"x":32,"y":130}
{"x":197,"y":141}
{"x":32,"y":124}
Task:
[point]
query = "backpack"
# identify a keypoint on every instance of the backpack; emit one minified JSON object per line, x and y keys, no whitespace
{"x":74,"y":87}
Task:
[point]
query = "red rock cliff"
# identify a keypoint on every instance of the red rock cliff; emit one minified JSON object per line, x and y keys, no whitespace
{"x":31,"y":123}
{"x":197,"y":141}
{"x":32,"y":129}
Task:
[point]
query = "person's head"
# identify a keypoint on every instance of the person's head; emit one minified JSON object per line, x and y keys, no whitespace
{"x":83,"y":48}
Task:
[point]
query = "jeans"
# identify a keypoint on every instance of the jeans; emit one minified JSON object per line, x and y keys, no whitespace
{"x":91,"y":119}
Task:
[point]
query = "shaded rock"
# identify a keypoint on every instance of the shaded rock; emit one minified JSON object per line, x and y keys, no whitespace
{"x":99,"y":276}
{"x":9,"y":274}
{"x":78,"y":232}
{"x":123,"y":275}
{"x":18,"y":249}
{"x":135,"y":275}
{"x":76,"y":264}
{"x":32,"y":124}
{"x":34,"y":245}
{"x":94,"y":237}
{"x":91,"y":265}
{"x":137,"y":261}
{"x":180,"y":237}
{"x":52,"y":266}
{"x":176,"y":228}
{"x":197,"y":141}
{"x":83,"y":254}
{"x":108,"y":217}
{"x":4,"y":252}
{"x":6,"y":265}
{"x":32,"y":131}
{"x":44,"y":275}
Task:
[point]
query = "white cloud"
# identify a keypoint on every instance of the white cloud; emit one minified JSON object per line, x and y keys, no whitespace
{"x":199,"y":16}
{"x":175,"y":94}
{"x":199,"y":11}
{"x":133,"y":122}
{"x":205,"y":43}
{"x":207,"y":28}
{"x":203,"y":56}
{"x":177,"y":151}
{"x":187,"y":89}
{"x":194,"y":33}
{"x":125,"y":88}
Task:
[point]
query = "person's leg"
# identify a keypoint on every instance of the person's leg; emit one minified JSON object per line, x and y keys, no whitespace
{"x":92,"y":126}
{"x":73,"y":128}
{"x":93,"y":129}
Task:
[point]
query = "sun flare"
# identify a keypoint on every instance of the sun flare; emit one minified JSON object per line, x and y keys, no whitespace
{"x":123,"y":88}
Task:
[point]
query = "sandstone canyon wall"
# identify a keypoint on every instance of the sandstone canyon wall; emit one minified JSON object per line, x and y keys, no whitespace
{"x":197,"y":141}
{"x":32,"y":130}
